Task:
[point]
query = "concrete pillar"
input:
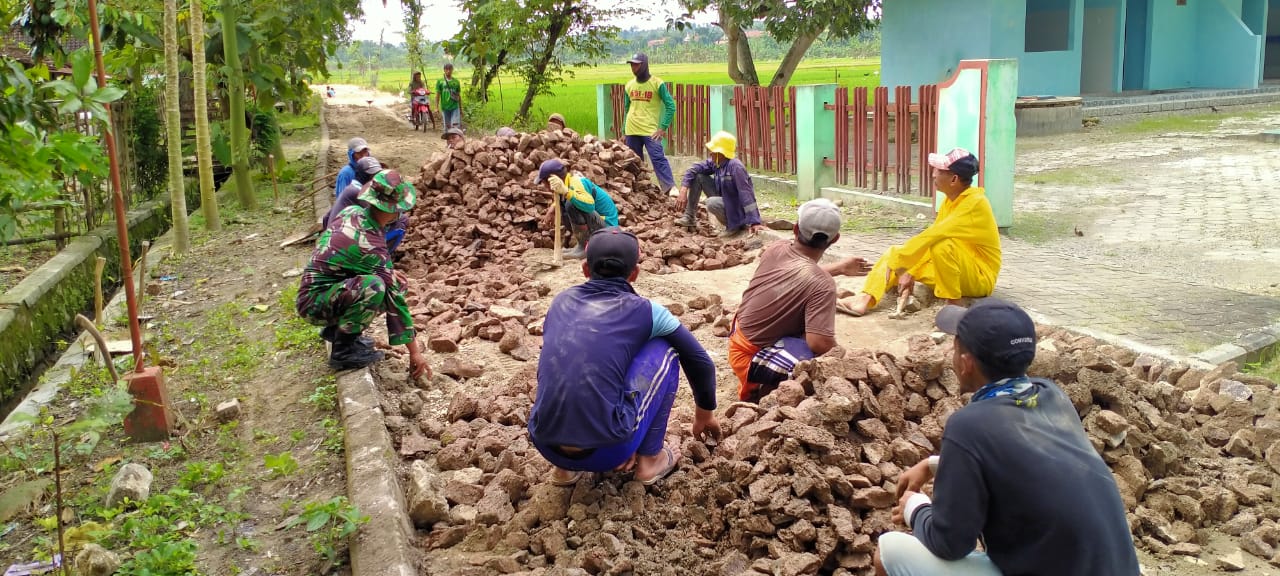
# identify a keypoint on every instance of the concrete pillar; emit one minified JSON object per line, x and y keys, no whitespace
{"x":723,"y":116}
{"x":1000,"y":138}
{"x":815,"y":139}
{"x":604,"y":111}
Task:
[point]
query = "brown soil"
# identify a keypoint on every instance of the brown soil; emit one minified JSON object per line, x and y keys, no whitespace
{"x":20,"y":261}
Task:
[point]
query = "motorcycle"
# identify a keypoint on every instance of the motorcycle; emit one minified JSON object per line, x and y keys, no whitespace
{"x":420,"y":110}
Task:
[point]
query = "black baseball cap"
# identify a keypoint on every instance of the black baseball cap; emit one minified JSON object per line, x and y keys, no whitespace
{"x":612,"y":253}
{"x":998,"y":333}
{"x":548,"y":169}
{"x":639,"y":58}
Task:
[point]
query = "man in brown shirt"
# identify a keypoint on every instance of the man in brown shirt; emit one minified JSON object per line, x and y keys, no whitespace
{"x":788,"y":313}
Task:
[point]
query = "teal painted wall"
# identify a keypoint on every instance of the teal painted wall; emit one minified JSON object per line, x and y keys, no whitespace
{"x":1152,"y":44}
{"x":922,"y":41}
{"x":1230,"y":54}
{"x":1137,"y":28}
{"x":1271,"y":60}
{"x":1202,"y":44}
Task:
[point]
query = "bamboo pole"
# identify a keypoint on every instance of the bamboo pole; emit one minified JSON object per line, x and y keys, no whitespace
{"x":557,"y":254}
{"x":142,"y":274}
{"x":97,"y":290}
{"x":275,"y":186}
{"x":122,"y":221}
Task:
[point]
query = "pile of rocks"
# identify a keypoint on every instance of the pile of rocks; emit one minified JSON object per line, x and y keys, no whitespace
{"x":478,"y":211}
{"x":804,"y":482}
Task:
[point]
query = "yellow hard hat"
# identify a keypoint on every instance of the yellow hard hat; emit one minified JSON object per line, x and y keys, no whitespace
{"x":724,"y":143}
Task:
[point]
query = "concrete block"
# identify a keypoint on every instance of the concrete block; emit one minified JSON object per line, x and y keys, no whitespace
{"x":151,"y":419}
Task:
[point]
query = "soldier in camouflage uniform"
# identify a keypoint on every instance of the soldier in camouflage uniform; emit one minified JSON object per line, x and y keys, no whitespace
{"x":350,"y":279}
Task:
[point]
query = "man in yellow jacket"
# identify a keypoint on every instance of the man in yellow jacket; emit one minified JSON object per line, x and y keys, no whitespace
{"x":958,"y":255}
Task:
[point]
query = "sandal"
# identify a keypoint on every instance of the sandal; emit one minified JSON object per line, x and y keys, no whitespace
{"x":570,"y":481}
{"x":670,"y":467}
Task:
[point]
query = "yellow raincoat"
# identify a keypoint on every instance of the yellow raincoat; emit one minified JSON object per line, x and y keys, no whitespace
{"x":958,"y":255}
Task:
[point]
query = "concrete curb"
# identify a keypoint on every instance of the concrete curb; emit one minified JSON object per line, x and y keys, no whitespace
{"x":77,"y":355}
{"x":381,"y":547}
{"x":322,"y":167}
{"x":1249,"y":347}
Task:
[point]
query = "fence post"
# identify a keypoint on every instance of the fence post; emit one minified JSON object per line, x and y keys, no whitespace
{"x":722,"y":114}
{"x":815,"y":139}
{"x":604,"y":111}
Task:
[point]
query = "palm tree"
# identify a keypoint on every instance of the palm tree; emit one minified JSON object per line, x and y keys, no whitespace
{"x":204,"y":148}
{"x":173,"y":129}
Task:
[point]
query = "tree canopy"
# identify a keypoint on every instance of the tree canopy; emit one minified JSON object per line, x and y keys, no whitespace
{"x":798,"y":22}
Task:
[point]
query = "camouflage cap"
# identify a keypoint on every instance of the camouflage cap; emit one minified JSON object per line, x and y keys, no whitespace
{"x":389,"y":193}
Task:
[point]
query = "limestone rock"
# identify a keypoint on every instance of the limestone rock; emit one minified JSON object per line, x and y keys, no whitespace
{"x":427,"y":504}
{"x":132,"y":481}
{"x":94,"y":560}
{"x":227,"y":411}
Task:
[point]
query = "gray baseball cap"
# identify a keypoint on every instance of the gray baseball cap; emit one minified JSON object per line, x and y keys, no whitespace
{"x":818,"y":216}
{"x":368,"y":165}
{"x":356,"y":145}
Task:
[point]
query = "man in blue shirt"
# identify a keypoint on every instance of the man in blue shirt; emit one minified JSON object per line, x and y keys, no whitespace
{"x":731,"y":196}
{"x":1016,"y":470}
{"x":585,"y":206}
{"x":366,"y":169}
{"x":357,"y":148}
{"x":606,"y":374}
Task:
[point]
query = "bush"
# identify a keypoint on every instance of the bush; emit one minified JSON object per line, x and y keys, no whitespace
{"x":146,"y":136}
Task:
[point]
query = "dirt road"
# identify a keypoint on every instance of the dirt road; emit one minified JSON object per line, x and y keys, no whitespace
{"x":382,"y":120}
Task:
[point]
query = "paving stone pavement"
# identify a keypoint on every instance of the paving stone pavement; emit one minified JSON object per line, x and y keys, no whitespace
{"x":1161,"y":315}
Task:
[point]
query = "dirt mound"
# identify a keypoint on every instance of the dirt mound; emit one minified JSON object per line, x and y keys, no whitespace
{"x":804,"y":482}
{"x":478,"y":212}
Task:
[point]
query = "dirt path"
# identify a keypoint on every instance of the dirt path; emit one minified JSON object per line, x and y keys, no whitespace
{"x":383,"y":124}
{"x":223,"y":327}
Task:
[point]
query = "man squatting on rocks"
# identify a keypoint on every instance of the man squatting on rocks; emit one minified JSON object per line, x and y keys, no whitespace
{"x":731,"y":196}
{"x":958,"y":255}
{"x":585,"y":207}
{"x":366,"y":169}
{"x":606,"y":374}
{"x":788,"y":312}
{"x":350,"y":279}
{"x":1016,"y":471}
{"x":357,"y":148}
{"x":650,"y":110}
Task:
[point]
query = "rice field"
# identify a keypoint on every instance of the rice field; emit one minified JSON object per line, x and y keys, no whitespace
{"x":576,"y":97}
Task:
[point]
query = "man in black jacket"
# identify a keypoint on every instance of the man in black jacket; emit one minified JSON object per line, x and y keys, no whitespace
{"x":1016,"y":471}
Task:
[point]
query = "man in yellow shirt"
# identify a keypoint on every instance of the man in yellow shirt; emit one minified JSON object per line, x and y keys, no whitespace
{"x":650,"y":109}
{"x":958,"y":255}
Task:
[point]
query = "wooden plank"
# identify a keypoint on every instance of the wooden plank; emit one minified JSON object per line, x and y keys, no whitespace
{"x":860,"y":137}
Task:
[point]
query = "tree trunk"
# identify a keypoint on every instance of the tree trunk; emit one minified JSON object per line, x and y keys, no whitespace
{"x":559,"y":23}
{"x":742,"y":66}
{"x":235,"y":98}
{"x":491,"y":73}
{"x":204,"y":147}
{"x":794,"y":55}
{"x":173,"y":129}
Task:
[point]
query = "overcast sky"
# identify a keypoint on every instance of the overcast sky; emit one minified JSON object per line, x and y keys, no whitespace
{"x":443,"y":16}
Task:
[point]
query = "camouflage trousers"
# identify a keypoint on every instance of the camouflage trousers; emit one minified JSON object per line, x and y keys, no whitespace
{"x":351,"y":305}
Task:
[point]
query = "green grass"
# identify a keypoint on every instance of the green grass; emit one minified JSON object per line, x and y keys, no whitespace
{"x":1183,"y":123}
{"x":576,"y":98}
{"x":1082,"y":176}
{"x":1041,"y":228}
{"x":1268,"y":366}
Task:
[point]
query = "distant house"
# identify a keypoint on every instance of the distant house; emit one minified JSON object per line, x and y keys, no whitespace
{"x":1072,"y":47}
{"x":658,"y":42}
{"x":755,"y":33}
